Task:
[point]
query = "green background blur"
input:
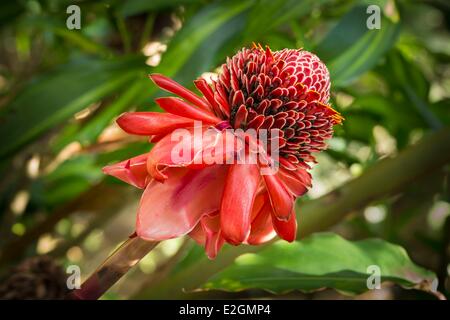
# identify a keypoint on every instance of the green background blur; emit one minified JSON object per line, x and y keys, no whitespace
{"x":61,"y":89}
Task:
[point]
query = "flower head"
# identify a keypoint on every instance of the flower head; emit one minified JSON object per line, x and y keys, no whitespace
{"x":285,"y":93}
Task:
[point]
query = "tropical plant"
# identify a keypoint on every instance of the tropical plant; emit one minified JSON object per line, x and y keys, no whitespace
{"x":384,"y":174}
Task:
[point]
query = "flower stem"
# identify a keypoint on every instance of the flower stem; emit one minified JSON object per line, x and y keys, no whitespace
{"x":113,"y":268}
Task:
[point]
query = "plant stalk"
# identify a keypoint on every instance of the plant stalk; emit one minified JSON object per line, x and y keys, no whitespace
{"x":113,"y":268}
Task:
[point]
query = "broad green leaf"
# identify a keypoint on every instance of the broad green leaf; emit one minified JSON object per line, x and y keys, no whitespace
{"x":324,"y":260}
{"x":351,"y":49}
{"x":54,"y":98}
{"x":349,"y":29}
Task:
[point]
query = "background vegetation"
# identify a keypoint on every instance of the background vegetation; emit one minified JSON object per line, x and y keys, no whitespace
{"x":384,"y":176}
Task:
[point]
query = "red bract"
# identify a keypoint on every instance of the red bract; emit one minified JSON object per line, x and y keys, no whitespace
{"x":257,"y":89}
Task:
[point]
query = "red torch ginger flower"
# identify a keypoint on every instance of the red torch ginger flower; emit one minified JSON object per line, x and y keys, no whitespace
{"x":286,"y":92}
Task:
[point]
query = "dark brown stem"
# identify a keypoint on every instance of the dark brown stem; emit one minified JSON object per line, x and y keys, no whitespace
{"x":114,"y":267}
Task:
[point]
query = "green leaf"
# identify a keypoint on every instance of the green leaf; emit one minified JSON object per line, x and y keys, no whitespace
{"x":266,"y":15}
{"x":196,"y":30}
{"x":57,"y":96}
{"x":69,"y":180}
{"x":10,"y":10}
{"x":324,"y":260}
{"x":350,"y":49}
{"x":391,"y":114}
{"x":359,"y":125}
{"x":94,"y":128}
{"x":408,"y":78}
{"x":442,"y":110}
{"x":83,"y":42}
{"x":210,"y":52}
{"x":399,"y":71}
{"x":127,"y":151}
{"x":194,"y":34}
{"x":351,"y":28}
{"x":132,"y":7}
{"x":342,"y":156}
{"x":368,"y":110}
{"x":201,"y":36}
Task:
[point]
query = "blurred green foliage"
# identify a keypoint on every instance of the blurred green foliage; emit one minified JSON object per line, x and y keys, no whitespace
{"x":60,"y":91}
{"x":343,"y":266}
